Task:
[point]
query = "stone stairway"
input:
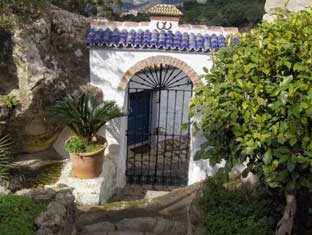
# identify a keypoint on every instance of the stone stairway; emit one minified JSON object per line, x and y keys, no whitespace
{"x":164,"y":215}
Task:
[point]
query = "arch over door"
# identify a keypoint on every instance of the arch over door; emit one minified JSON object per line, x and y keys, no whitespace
{"x":158,"y":147}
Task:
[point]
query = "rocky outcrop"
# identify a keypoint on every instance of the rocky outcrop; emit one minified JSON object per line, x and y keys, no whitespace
{"x":43,"y":62}
{"x":59,"y":219}
{"x":291,"y":5}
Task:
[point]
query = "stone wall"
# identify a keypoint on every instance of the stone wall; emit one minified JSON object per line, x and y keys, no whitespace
{"x":291,"y":5}
{"x":60,"y":217}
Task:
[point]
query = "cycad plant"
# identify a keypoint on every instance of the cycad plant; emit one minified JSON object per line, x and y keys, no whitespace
{"x":85,"y":116}
{"x":5,"y":154}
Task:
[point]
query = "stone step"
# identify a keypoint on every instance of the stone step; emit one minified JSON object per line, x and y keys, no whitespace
{"x":117,"y":233}
{"x":139,"y":225}
{"x":101,"y":227}
{"x":172,"y":205}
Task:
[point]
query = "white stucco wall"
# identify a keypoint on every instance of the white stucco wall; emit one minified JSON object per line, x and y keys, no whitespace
{"x":107,"y":68}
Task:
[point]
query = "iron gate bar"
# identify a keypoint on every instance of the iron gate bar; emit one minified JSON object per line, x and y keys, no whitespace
{"x":159,"y":106}
{"x":165,"y":77}
{"x":145,"y":155}
{"x":181,"y":128}
{"x":165,"y":149}
{"x":152,"y":84}
{"x":176,"y":82}
{"x":169,"y":76}
{"x":174,"y":114}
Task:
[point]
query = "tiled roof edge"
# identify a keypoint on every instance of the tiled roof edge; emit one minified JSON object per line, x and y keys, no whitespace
{"x":115,"y":24}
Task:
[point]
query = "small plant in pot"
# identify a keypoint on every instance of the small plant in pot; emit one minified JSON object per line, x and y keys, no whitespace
{"x":85,"y":116}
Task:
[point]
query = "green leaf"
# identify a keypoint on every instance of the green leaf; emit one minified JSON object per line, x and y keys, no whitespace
{"x":291,"y":166}
{"x":291,"y":185}
{"x":304,"y":182}
{"x":267,"y":157}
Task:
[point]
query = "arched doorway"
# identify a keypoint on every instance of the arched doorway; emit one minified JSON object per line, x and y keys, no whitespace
{"x":158,"y":107}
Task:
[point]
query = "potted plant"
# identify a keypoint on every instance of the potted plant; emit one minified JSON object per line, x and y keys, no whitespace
{"x":85,"y":116}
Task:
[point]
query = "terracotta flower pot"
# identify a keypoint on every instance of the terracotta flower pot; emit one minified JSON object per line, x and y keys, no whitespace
{"x":88,"y":165}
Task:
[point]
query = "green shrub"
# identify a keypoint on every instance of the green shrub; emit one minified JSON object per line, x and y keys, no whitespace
{"x":256,"y":105}
{"x":16,"y":12}
{"x":10,"y":101}
{"x":75,"y":145}
{"x":17,"y":214}
{"x":235,"y":212}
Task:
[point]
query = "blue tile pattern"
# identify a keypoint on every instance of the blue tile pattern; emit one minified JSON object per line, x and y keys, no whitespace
{"x":166,"y":40}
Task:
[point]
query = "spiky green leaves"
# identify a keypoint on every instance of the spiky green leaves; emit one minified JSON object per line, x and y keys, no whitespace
{"x":84,"y":115}
{"x":5,"y":157}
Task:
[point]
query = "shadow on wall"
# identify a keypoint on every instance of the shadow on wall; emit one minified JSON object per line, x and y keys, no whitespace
{"x":111,"y":131}
{"x":8,"y":75}
{"x":107,"y":66}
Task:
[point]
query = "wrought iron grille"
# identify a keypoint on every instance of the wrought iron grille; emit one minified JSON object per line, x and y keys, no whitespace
{"x":158,"y":147}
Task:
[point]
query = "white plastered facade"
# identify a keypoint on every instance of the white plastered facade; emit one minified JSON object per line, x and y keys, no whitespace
{"x":108,"y":68}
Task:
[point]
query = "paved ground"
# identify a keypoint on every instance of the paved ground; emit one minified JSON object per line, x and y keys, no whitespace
{"x":137,"y":192}
{"x":167,"y":161}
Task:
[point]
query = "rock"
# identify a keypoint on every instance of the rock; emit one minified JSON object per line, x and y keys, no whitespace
{"x":291,"y":5}
{"x":53,"y":218}
{"x":4,"y":190}
{"x":43,"y":62}
{"x":124,"y":233}
{"x":99,"y":227}
{"x":44,"y":231}
{"x":15,"y":183}
{"x":37,"y":194}
{"x":154,"y":194}
{"x":140,"y":224}
{"x":4,"y":115}
{"x":60,"y":216}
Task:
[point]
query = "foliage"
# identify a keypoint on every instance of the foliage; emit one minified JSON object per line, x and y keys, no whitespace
{"x":139,"y":17}
{"x":5,"y":155}
{"x":90,"y":7}
{"x":15,"y":12}
{"x":239,"y":13}
{"x":84,"y":115}
{"x":17,"y":214}
{"x":10,"y":101}
{"x":236,"y":212}
{"x":256,"y":103}
{"x":42,"y":173}
{"x":75,"y":145}
{"x":93,"y":147}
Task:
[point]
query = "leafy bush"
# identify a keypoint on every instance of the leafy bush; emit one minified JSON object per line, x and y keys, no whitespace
{"x":239,"y":13}
{"x":75,"y":145}
{"x":256,"y":105}
{"x":236,"y":212}
{"x":5,"y":155}
{"x":17,"y":214}
{"x":15,"y":12}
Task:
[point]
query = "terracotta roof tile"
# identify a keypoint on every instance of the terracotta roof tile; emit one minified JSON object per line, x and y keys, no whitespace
{"x":165,"y":10}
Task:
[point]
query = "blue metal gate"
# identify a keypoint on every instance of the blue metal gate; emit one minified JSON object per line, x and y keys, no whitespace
{"x":138,"y":119}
